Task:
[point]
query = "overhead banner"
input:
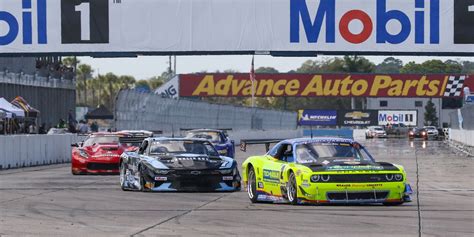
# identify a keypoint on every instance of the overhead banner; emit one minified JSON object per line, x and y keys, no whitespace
{"x":357,"y":117}
{"x":406,"y":117}
{"x":323,"y":85}
{"x":311,"y":117}
{"x":278,"y":27}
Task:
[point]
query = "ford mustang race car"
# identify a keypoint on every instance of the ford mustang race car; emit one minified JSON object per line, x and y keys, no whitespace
{"x":100,"y":153}
{"x":323,"y":170}
{"x":218,"y":138}
{"x":178,"y":164}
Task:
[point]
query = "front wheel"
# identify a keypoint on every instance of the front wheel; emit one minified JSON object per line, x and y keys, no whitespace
{"x":252,"y":185}
{"x":291,"y":189}
{"x":123,"y":172}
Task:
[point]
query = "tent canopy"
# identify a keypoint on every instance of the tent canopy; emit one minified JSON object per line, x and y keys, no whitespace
{"x":23,"y":104}
{"x":100,"y":113}
{"x":8,"y":107}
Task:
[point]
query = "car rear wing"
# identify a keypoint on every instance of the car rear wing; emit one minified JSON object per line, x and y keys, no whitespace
{"x":267,"y":142}
{"x":134,"y":137}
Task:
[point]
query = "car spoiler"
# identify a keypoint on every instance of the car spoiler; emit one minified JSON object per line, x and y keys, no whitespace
{"x":267,"y":142}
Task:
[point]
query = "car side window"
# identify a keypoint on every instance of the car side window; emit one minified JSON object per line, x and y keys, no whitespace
{"x":143,"y":147}
{"x":285,"y":153}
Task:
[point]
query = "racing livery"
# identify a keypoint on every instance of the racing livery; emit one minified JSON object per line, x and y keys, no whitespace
{"x":100,"y":153}
{"x":178,"y":164}
{"x":323,"y":170}
{"x":218,"y":138}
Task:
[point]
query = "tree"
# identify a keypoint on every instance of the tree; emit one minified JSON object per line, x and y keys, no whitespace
{"x":431,"y":118}
{"x":266,"y":70}
{"x":389,"y":65}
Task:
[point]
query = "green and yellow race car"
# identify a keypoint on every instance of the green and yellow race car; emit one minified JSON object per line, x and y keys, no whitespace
{"x":322,"y":170}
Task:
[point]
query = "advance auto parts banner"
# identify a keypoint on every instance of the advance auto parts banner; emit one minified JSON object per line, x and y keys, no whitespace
{"x":321,"y":85}
{"x":357,"y":117}
{"x":280,"y":27}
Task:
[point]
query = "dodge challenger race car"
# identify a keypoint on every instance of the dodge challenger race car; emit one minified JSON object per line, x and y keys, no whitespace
{"x":100,"y":153}
{"x":218,"y":138}
{"x":323,"y":170}
{"x":178,"y":164}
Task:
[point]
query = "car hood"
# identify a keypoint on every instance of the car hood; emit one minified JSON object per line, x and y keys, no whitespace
{"x":105,"y":149}
{"x":189,"y":161}
{"x":353,"y":166}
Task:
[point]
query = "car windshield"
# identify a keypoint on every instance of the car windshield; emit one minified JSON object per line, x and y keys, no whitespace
{"x":101,"y":140}
{"x":208,"y":135}
{"x":326,"y":153}
{"x":181,"y":147}
{"x":378,"y":129}
{"x":430,"y":128}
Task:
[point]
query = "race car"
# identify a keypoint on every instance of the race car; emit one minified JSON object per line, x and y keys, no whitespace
{"x":218,"y":138}
{"x":178,"y":164}
{"x":375,"y":131}
{"x":100,"y":153}
{"x":323,"y":170}
{"x":418,"y":133}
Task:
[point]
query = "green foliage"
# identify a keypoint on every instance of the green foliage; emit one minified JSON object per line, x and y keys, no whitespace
{"x":431,"y":117}
{"x":389,"y":65}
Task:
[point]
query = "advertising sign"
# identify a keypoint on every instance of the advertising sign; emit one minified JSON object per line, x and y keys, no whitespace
{"x":278,"y":27}
{"x":170,"y":89}
{"x":357,"y":117}
{"x":323,"y":85}
{"x":312,"y":117}
{"x":407,"y":117}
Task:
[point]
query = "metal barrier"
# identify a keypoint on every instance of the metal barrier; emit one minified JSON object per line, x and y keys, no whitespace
{"x":18,"y":151}
{"x":148,"y":111}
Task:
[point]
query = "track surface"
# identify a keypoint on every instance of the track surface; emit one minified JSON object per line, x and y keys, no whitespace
{"x":50,"y":201}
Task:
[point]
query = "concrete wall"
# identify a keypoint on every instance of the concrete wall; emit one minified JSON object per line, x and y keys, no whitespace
{"x":18,"y":151}
{"x":465,"y":137}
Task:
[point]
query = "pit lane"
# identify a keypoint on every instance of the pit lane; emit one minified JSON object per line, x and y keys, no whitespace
{"x":50,"y":201}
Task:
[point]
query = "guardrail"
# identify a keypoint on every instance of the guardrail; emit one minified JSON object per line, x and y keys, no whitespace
{"x":19,"y":151}
{"x":462,"y":139}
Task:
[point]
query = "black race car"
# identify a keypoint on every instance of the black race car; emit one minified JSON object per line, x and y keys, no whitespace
{"x":178,"y":164}
{"x":418,"y":133}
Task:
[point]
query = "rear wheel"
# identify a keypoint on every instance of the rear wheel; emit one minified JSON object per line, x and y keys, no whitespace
{"x":252,"y":185}
{"x":291,"y":191}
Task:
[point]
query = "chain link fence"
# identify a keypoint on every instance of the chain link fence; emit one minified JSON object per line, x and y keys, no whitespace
{"x":149,"y":111}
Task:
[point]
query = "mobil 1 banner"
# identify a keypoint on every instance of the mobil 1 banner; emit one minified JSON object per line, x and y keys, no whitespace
{"x":357,"y":117}
{"x":311,"y":117}
{"x":406,"y":117}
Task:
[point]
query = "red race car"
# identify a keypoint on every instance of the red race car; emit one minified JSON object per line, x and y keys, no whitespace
{"x":100,"y":153}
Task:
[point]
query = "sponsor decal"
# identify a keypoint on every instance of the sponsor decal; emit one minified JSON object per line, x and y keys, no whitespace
{"x":160,"y":178}
{"x":357,"y":117}
{"x":271,"y":176}
{"x":227,"y":178}
{"x":354,"y":167}
{"x":324,"y":85}
{"x":260,"y":185}
{"x":317,"y":117}
{"x":358,"y":185}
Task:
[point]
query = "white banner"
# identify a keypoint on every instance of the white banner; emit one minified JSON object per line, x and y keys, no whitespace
{"x":288,"y":27}
{"x":406,"y":117}
{"x":170,"y":89}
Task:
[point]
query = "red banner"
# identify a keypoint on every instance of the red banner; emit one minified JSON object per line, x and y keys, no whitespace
{"x":321,"y":85}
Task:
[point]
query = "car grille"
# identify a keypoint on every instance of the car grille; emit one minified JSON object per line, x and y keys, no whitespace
{"x":350,"y":196}
{"x":102,"y":166}
{"x":358,"y":178}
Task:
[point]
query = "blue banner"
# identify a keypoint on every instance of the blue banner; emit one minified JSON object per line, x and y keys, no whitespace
{"x":312,"y":117}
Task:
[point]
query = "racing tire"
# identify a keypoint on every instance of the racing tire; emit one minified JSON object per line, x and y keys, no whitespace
{"x":252,"y":185}
{"x":392,"y":203}
{"x":291,"y":189}
{"x":141,"y":179}
{"x":122,"y":177}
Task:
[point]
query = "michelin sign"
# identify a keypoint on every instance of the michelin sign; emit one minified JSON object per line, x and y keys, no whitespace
{"x":289,"y":27}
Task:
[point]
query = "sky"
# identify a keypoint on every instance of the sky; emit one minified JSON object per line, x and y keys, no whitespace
{"x":144,"y":67}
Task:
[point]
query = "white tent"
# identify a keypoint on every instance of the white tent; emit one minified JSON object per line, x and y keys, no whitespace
{"x":5,"y":105}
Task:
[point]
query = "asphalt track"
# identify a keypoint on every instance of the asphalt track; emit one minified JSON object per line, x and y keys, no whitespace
{"x":49,"y":201}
